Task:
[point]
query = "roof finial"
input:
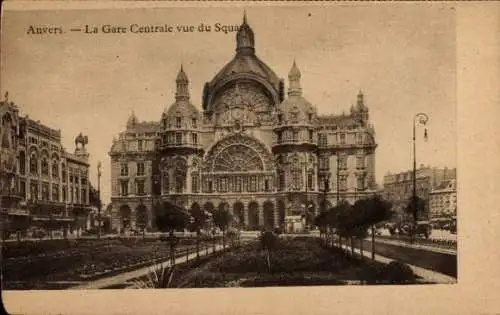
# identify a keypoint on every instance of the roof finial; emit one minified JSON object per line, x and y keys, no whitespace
{"x":244,"y":16}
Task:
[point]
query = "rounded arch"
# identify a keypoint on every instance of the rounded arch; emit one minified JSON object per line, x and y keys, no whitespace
{"x":208,"y":207}
{"x":125,"y":217}
{"x":195,"y":207}
{"x":281,"y":212}
{"x":238,"y":141}
{"x":268,"y":209}
{"x":239,"y":212}
{"x":141,"y":216}
{"x":223,"y":206}
{"x":253,"y":215}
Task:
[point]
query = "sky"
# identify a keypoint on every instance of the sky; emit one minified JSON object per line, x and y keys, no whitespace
{"x":401,"y":56}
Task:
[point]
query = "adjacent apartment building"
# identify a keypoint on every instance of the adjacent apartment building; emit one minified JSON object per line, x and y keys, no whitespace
{"x":398,"y":187}
{"x":41,"y":184}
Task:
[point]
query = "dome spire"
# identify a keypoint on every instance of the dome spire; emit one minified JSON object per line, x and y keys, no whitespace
{"x":132,"y":120}
{"x":245,"y":43}
{"x":294,"y":80}
{"x":182,"y":82}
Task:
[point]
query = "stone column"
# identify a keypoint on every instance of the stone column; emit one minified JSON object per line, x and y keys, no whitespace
{"x":260,"y":208}
{"x":276,"y":215}
{"x":245,"y":213}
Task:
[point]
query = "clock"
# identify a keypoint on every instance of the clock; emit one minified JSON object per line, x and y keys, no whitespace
{"x":237,"y":113}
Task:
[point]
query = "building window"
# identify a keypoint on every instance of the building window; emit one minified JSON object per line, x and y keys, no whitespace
{"x":281,"y":180}
{"x":323,"y":140}
{"x":55,"y":192}
{"x":178,"y":138}
{"x":280,"y":118}
{"x":84,"y":196}
{"x":194,"y":123}
{"x":64,"y":194}
{"x":22,"y":189}
{"x":342,"y":162}
{"x":139,"y":145}
{"x":223,"y":184}
{"x":295,"y":136}
{"x":45,"y":191}
{"x":359,"y":138}
{"x":55,"y":169}
{"x":252,"y":183}
{"x":194,"y":138}
{"x":34,"y":189}
{"x":166,"y":182}
{"x":310,"y":117}
{"x":311,"y":134}
{"x":361,"y":183}
{"x":22,"y":163}
{"x":33,"y":164}
{"x":64,"y":173}
{"x":342,"y":138}
{"x":343,"y":182}
{"x":77,"y":195}
{"x":124,"y":169}
{"x":266,"y":185}
{"x":140,"y":168}
{"x":124,"y":145}
{"x":139,"y":187}
{"x":294,"y":117}
{"x":178,"y":122}
{"x":310,"y":181}
{"x":237,"y":184}
{"x":194,"y":183}
{"x":179,"y":183}
{"x":323,"y":163}
{"x":360,"y":162}
{"x":124,"y":188}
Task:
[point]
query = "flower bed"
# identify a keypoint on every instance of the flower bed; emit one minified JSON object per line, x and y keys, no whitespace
{"x":89,"y":261}
{"x":296,"y":262}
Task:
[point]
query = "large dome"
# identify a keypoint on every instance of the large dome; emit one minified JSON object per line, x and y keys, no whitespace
{"x":244,"y":64}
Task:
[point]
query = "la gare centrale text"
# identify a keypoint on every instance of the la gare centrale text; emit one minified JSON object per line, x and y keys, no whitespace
{"x":132,"y":28}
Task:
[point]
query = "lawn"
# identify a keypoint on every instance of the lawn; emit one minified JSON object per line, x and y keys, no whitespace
{"x":295,"y":262}
{"x":62,"y":263}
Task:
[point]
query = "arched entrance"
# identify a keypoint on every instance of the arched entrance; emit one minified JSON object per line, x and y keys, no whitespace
{"x":253,"y":215}
{"x":208,"y":207}
{"x":239,"y":213}
{"x":141,"y":217}
{"x":281,"y":213}
{"x":125,"y":218}
{"x":268,"y":215}
{"x":223,"y":206}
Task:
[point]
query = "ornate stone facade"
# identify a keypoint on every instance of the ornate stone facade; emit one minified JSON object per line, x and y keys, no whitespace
{"x":250,"y":149}
{"x":40,"y":180}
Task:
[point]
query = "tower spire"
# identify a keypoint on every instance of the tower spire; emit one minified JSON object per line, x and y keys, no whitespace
{"x":294,"y":80}
{"x":245,"y":43}
{"x":182,"y":82}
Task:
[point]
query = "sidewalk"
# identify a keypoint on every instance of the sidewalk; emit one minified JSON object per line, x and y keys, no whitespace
{"x":124,"y":277}
{"x":416,"y":246}
{"x":426,"y":274}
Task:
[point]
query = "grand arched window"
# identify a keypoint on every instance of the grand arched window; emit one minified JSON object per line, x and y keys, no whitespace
{"x":238,"y":158}
{"x":45,"y":166}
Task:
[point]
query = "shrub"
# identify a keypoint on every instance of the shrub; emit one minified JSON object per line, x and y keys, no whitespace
{"x":398,"y":272}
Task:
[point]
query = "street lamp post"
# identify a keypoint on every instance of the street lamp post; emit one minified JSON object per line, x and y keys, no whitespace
{"x":99,"y":199}
{"x":422,"y":118}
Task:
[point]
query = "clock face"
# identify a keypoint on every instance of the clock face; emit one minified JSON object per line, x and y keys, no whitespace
{"x":237,"y":113}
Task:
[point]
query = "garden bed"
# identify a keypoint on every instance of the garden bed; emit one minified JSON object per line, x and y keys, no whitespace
{"x":296,"y":262}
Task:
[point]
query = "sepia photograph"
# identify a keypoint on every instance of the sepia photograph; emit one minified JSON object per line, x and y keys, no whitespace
{"x":228,"y":147}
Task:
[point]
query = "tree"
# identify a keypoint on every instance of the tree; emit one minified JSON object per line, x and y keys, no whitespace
{"x":199,"y":220}
{"x":222,"y":218}
{"x":169,"y":218}
{"x":269,"y":242}
{"x":375,"y":210}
